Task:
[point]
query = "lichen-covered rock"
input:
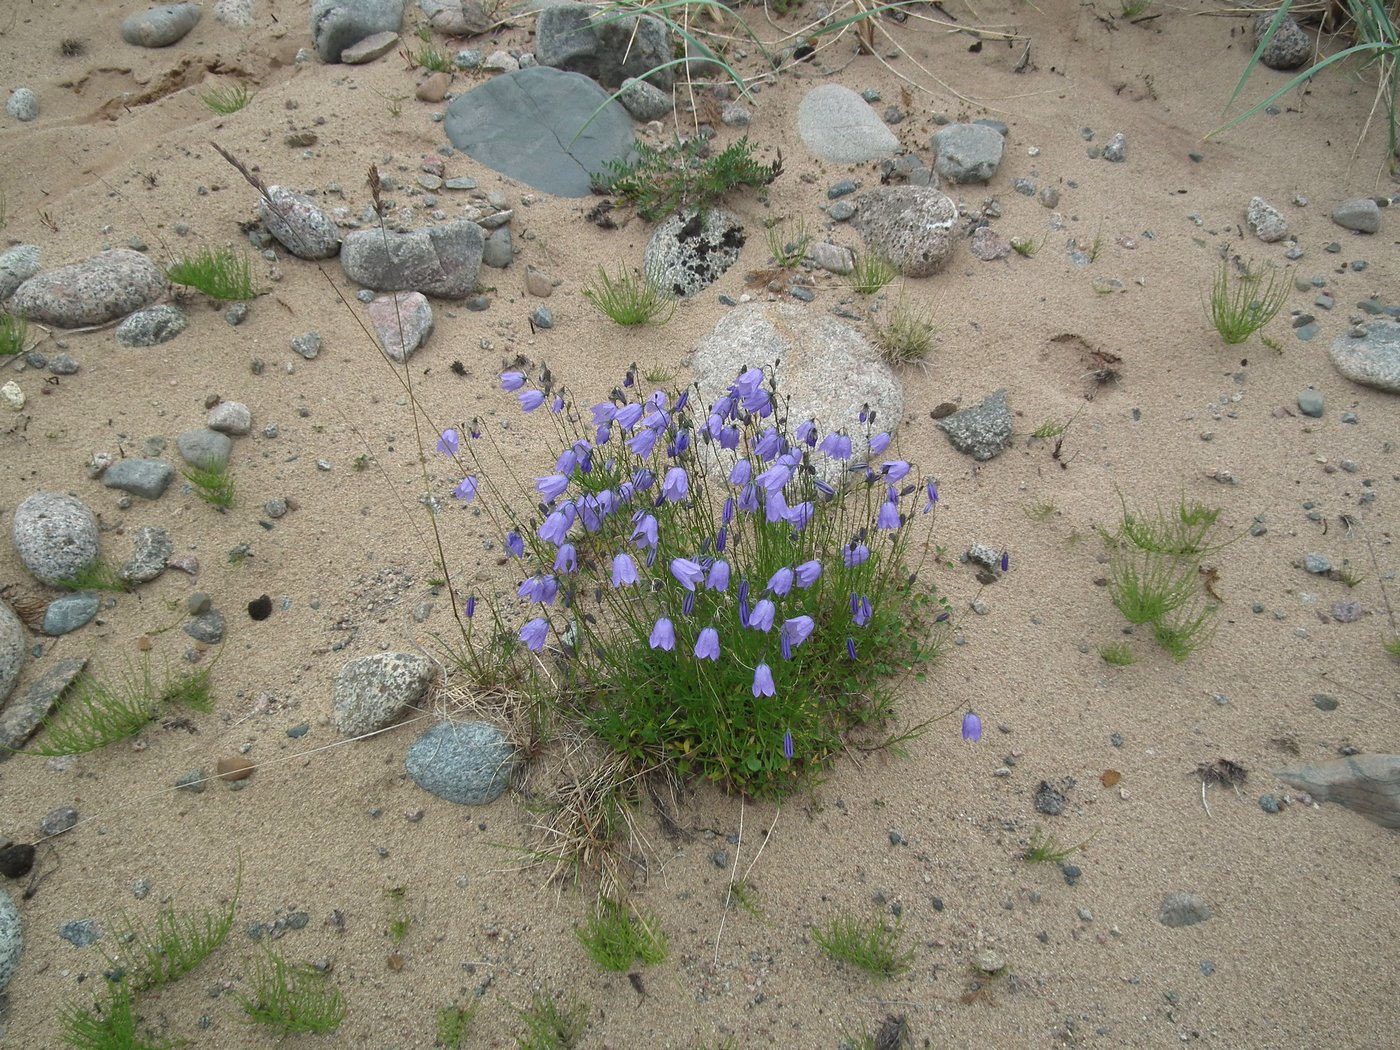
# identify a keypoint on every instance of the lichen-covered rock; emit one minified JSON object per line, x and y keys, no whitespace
{"x":55,"y":536}
{"x":90,"y":292}
{"x":298,"y":224}
{"x":371,"y":692}
{"x":911,"y":226}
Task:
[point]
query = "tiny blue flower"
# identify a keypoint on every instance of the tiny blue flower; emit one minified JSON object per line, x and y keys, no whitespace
{"x":628,"y":415}
{"x":799,"y":516}
{"x":566,"y":560}
{"x":533,"y":633}
{"x":642,"y":442}
{"x":781,"y":582}
{"x":557,"y":405}
{"x":663,"y":635}
{"x":761,"y":619}
{"x":854,"y":554}
{"x":805,"y":434}
{"x":763,"y":681}
{"x":971,"y":727}
{"x":512,"y":381}
{"x":808,"y":573}
{"x":515,"y":545}
{"x":644,"y":535}
{"x":1005,"y":560}
{"x":787,"y":745}
{"x":729,"y":438}
{"x":707,"y":645}
{"x":721,"y":538}
{"x":466,"y":490}
{"x":740,"y":473}
{"x":727,"y":514}
{"x":850,"y":648}
{"x":531,"y":400}
{"x":836,"y":445}
{"x":687,"y":573}
{"x":556,"y":526}
{"x":932,"y":487}
{"x":888,"y":517}
{"x":879,"y":443}
{"x":551,"y":487}
{"x":718,"y":577}
{"x":768,"y":445}
{"x":624,"y":571}
{"x":447,"y":444}
{"x":860,"y":609}
{"x":604,"y":413}
{"x":471,"y":606}
{"x":894,"y":470}
{"x":677,"y":484}
{"x":798,"y":629}
{"x":748,"y":499}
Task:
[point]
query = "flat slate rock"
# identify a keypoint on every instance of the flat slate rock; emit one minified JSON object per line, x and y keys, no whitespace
{"x":1183,"y":909}
{"x":443,"y":260}
{"x":838,"y":125}
{"x":147,"y":478}
{"x":529,"y":125}
{"x":608,"y":50}
{"x":371,"y":692}
{"x":1367,"y":784}
{"x":55,"y":536}
{"x":27,"y":710}
{"x":1372,"y":359}
{"x":90,"y":292}
{"x":468,"y":763}
{"x":981,"y":431}
{"x":338,"y":24}
{"x":66,"y":614}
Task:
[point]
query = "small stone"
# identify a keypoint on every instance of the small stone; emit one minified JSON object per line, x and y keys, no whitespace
{"x":1048,"y":800}
{"x":841,"y":189}
{"x":192,"y":781}
{"x":198,"y":603}
{"x":833,"y":258}
{"x":68,"y":613}
{"x":1317,"y":564}
{"x":720,"y":858}
{"x":1116,"y":151}
{"x":402,"y":322}
{"x":152,"y":326}
{"x":542,"y":317}
{"x":80,"y":933}
{"x":308,"y":344}
{"x":469,"y":763}
{"x":434,"y":88}
{"x":1310,"y":403}
{"x":207,"y":628}
{"x":147,"y":478}
{"x":1360,"y":214}
{"x":234,"y":768}
{"x":1266,"y":221}
{"x":205,"y":449}
{"x":990,"y":962}
{"x":1183,"y":909}
{"x":841,"y":211}
{"x":230,"y":417}
{"x":160,"y":26}
{"x":23,"y":105}
{"x":1268,"y":803}
{"x":57,"y":821}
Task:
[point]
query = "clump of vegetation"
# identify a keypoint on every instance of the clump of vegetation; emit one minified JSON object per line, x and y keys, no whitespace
{"x":432,"y":59}
{"x":454,"y":1024}
{"x":1119,"y":655}
{"x":213,"y":484}
{"x":1241,"y":304}
{"x":871,"y":273}
{"x":660,"y":181}
{"x":226,"y":100}
{"x":96,"y":575}
{"x":109,"y":1024}
{"x":148,"y":957}
{"x":14,"y":330}
{"x":292,"y":1000}
{"x":629,"y":299}
{"x":96,"y":713}
{"x":788,"y":243}
{"x":551,"y":1025}
{"x":616,"y":936}
{"x":1047,"y":849}
{"x":1392,"y":646}
{"x":1026,"y":247}
{"x":907,"y":337}
{"x":220,"y":273}
{"x":870,"y":944}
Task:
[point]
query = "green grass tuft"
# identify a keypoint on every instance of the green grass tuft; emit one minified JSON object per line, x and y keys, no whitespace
{"x":220,"y":273}
{"x":616,"y":936}
{"x":1039,"y":512}
{"x":1183,"y":634}
{"x":1025,"y":247}
{"x":1047,"y":849}
{"x":1119,"y":655}
{"x":96,"y":575}
{"x":1392,"y":646}
{"x":867,"y":944}
{"x":788,"y":243}
{"x":1133,"y":8}
{"x":96,"y":714}
{"x":292,"y":999}
{"x":432,"y":59}
{"x":226,"y":100}
{"x":1182,"y":531}
{"x":454,"y":1024}
{"x":662,"y":180}
{"x":907,"y":338}
{"x":148,"y":957}
{"x":629,"y":299}
{"x":14,"y":330}
{"x":871,"y":273}
{"x":214,"y":485}
{"x":1147,"y":588}
{"x":550,"y":1025}
{"x":1241,"y":304}
{"x":110,"y":1024}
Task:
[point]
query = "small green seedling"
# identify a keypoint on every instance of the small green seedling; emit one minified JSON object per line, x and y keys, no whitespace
{"x":220,"y":273}
{"x":867,"y":944}
{"x":617,"y":936}
{"x":1392,"y":646}
{"x":226,"y":100}
{"x":871,"y":273}
{"x":432,"y":59}
{"x":399,"y":919}
{"x":149,"y":957}
{"x":14,"y":330}
{"x":214,"y":485}
{"x":662,"y":180}
{"x":1039,"y":512}
{"x":454,"y":1024}
{"x":292,"y":1000}
{"x":95,"y":713}
{"x":110,"y":1024}
{"x":96,"y":575}
{"x":1118,"y":655}
{"x":550,"y":1025}
{"x":629,"y":299}
{"x":658,"y":375}
{"x":907,"y":338}
{"x":788,"y":243}
{"x":1239,"y":305}
{"x":1047,"y":849}
{"x":1026,"y":247}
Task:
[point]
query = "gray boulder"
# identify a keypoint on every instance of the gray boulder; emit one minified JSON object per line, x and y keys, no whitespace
{"x":152,"y":326}
{"x":12,"y":646}
{"x":689,"y":251}
{"x":147,"y":478}
{"x":401,"y":322}
{"x":439,"y":260}
{"x":912,"y":226}
{"x":983,"y":431}
{"x":11,"y":939}
{"x":160,"y":26}
{"x":153,"y":547}
{"x":552,"y":130}
{"x":23,"y":105}
{"x":1361,"y":214}
{"x":205,"y":449}
{"x":66,"y":614}
{"x":1266,"y":221}
{"x":607,"y":49}
{"x":838,"y":125}
{"x":826,"y":370}
{"x":337,"y":24}
{"x":457,"y":17}
{"x":371,"y":692}
{"x":91,"y":292}
{"x":55,"y":536}
{"x":298,"y":224}
{"x":1290,"y":48}
{"x":967,"y":152}
{"x":464,"y":762}
{"x":17,"y":265}
{"x":1371,"y":358}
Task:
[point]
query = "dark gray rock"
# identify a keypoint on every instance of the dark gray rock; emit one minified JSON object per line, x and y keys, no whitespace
{"x":17,"y":265}
{"x":606,"y":49}
{"x":57,"y":821}
{"x":371,"y":692}
{"x":1373,"y":359}
{"x":644,"y":100}
{"x":91,"y":292}
{"x":81,"y":933}
{"x":230,"y":417}
{"x":152,"y":326}
{"x":146,"y":478}
{"x":498,"y":252}
{"x":207,"y":627}
{"x":1266,"y":221}
{"x":1291,"y":46}
{"x":443,"y":261}
{"x":205,"y":449}
{"x":27,"y":711}
{"x":1310,"y":403}
{"x":981,"y":432}
{"x":530,"y":126}
{"x":911,"y":226}
{"x":63,"y":365}
{"x":12,"y":649}
{"x":1360,"y":213}
{"x":1183,"y":909}
{"x":153,"y":547}
{"x":1117,"y":149}
{"x":11,"y":939}
{"x":967,"y":152}
{"x":160,"y":26}
{"x":308,"y":345}
{"x":298,"y":224}
{"x":827,"y":370}
{"x":464,"y":762}
{"x":68,"y":613}
{"x":689,"y":251}
{"x":401,"y":323}
{"x":376,"y":45}
{"x":55,"y":536}
{"x":1047,"y":799}
{"x":457,"y":17}
{"x":838,"y":125}
{"x":337,"y":24}
{"x":23,"y":105}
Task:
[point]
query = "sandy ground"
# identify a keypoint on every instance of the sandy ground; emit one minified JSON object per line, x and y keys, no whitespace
{"x":1300,"y":949}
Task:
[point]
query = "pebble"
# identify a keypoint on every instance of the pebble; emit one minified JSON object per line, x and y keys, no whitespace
{"x":1266,"y":221}
{"x":1048,"y":800}
{"x":542,"y":317}
{"x":308,"y":344}
{"x":401,"y":322}
{"x":1117,"y":149}
{"x":160,"y":26}
{"x":298,"y":224}
{"x":1183,"y":909}
{"x":230,"y":417}
{"x":69,"y":612}
{"x":205,"y":449}
{"x":152,"y":547}
{"x":1268,"y":803}
{"x":469,"y":763}
{"x":141,"y":889}
{"x":1361,"y":214}
{"x":11,"y":939}
{"x":80,"y":932}
{"x":152,"y":326}
{"x":372,"y":691}
{"x":207,"y":628}
{"x":147,"y":478}
{"x":23,"y":105}
{"x":234,"y":768}
{"x":57,"y":821}
{"x":192,"y":781}
{"x":841,"y":189}
{"x":1317,"y":564}
{"x":841,"y":211}
{"x":1310,"y":403}
{"x":17,"y":265}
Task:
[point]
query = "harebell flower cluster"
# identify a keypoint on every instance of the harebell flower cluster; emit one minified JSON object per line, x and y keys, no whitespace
{"x":719,"y":588}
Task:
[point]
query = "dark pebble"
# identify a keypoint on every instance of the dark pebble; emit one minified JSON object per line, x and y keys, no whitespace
{"x":1268,"y":803}
{"x":543,"y":317}
{"x":80,"y":932}
{"x":57,"y":821}
{"x":841,"y":189}
{"x":720,"y":858}
{"x":16,"y":860}
{"x":1358,"y":265}
{"x":1207,"y":967}
{"x":298,"y":731}
{"x":260,"y":608}
{"x":937,"y":903}
{"x":1333,"y":248}
{"x":805,"y":294}
{"x":1071,"y":873}
{"x":1116,"y":739}
{"x":896,"y":838}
